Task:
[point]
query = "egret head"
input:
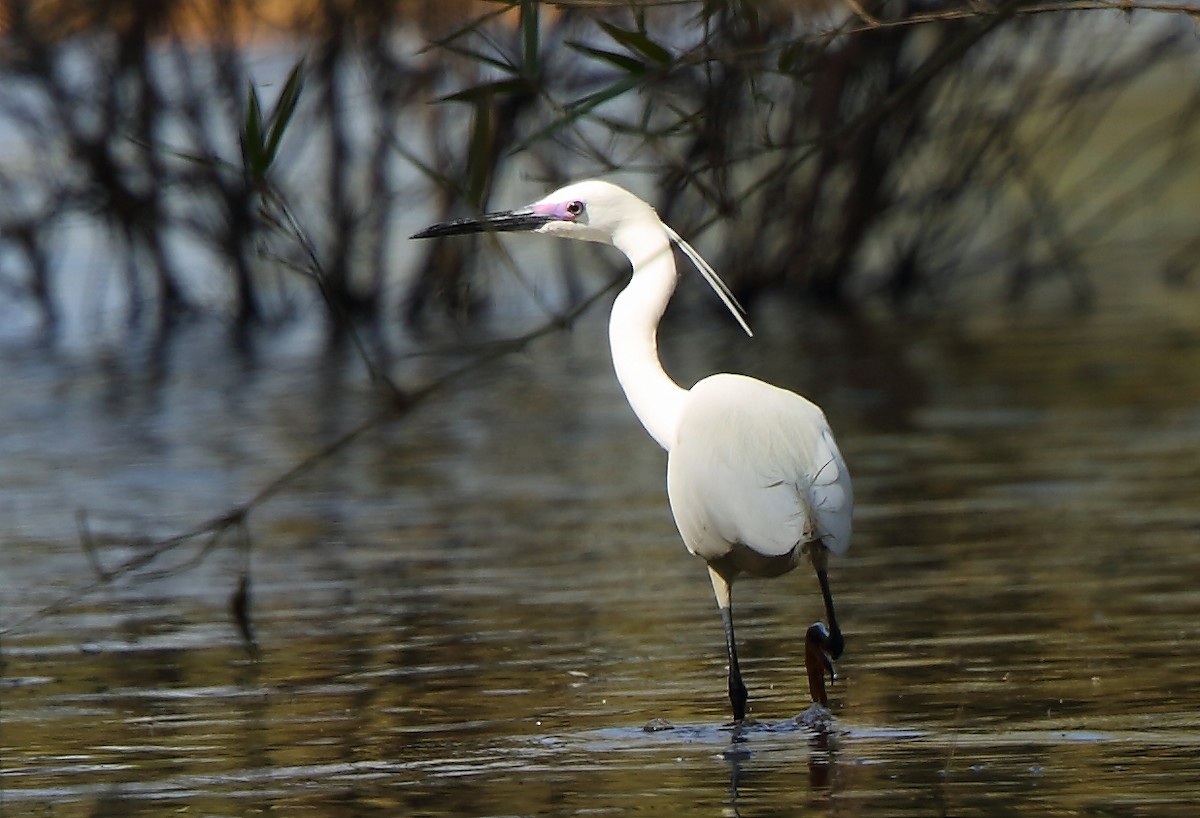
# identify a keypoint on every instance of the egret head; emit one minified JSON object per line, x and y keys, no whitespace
{"x":592,"y":210}
{"x":588,"y":211}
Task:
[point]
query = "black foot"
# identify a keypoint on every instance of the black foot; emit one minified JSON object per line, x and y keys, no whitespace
{"x":835,"y":644}
{"x":818,"y":648}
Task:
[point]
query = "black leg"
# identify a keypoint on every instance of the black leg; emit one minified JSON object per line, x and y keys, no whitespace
{"x":820,"y":560}
{"x":737,"y":689}
{"x":836,"y":644}
{"x":821,"y":644}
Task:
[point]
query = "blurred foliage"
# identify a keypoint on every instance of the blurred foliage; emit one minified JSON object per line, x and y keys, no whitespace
{"x":842,"y":152}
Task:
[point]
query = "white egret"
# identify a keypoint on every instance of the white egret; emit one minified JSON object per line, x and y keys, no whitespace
{"x":754,"y":477}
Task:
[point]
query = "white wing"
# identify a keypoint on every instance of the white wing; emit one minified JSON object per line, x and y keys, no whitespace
{"x":756,"y":465}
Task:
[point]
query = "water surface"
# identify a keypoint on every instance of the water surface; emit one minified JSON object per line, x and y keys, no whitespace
{"x":477,"y":609}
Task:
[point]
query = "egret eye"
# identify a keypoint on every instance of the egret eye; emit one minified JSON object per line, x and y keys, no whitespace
{"x":575,"y":208}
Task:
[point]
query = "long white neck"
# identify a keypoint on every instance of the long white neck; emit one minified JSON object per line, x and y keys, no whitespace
{"x":633,"y":330}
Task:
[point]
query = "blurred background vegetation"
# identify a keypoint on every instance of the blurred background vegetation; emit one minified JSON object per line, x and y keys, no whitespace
{"x":162,"y":161}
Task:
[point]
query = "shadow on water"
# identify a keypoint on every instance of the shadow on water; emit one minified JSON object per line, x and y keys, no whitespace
{"x":478,"y":611}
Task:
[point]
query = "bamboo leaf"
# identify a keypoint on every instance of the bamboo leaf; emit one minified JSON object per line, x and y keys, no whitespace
{"x":586,"y":104}
{"x":475,"y":25}
{"x":639,"y":42}
{"x":530,"y":35}
{"x":623,"y":61}
{"x":285,"y":106}
{"x":479,"y":163}
{"x":426,"y":169}
{"x":580,"y":108}
{"x":252,"y":144}
{"x":489,"y":89}
{"x":479,"y":57}
{"x":253,"y":124}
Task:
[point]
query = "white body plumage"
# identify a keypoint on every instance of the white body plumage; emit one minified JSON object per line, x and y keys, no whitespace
{"x":754,"y":476}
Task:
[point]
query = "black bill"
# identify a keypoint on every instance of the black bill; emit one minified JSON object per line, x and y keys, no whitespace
{"x":507,"y":222}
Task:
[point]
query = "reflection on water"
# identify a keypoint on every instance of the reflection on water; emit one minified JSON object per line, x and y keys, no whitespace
{"x":476,"y":611}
